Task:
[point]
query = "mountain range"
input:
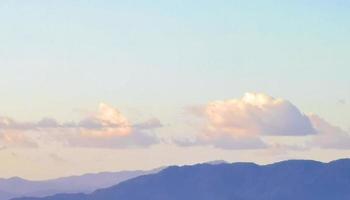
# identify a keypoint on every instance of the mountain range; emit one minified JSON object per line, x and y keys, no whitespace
{"x":17,"y":187}
{"x":287,"y":180}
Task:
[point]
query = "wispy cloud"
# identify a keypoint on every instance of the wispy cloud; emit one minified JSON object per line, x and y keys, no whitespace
{"x":105,"y":118}
{"x":329,"y":136}
{"x":106,"y":128}
{"x":17,"y":139}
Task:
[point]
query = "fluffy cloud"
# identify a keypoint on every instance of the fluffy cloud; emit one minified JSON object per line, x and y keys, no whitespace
{"x":106,"y":128}
{"x":329,"y":136}
{"x":256,"y":114}
{"x":107,"y":122}
{"x":242,"y":123}
{"x":250,"y":122}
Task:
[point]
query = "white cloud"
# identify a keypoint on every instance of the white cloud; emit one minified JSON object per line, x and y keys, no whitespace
{"x":106,"y":128}
{"x":256,"y":114}
{"x":329,"y":136}
{"x":107,"y":122}
{"x":241,"y":123}
{"x":250,"y":121}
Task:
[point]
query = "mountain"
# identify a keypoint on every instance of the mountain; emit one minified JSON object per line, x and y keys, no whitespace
{"x":18,"y":187}
{"x":287,"y":180}
{"x":6,"y":195}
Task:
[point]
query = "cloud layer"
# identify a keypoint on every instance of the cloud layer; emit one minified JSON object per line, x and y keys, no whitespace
{"x":242,"y":123}
{"x":107,"y":121}
{"x":106,"y":128}
{"x":329,"y":136}
{"x":253,"y":121}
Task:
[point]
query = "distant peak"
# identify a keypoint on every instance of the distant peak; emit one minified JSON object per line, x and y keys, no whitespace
{"x":15,"y":178}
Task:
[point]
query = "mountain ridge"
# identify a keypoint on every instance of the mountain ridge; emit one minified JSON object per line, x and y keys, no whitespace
{"x":16,"y":186}
{"x":291,"y":179}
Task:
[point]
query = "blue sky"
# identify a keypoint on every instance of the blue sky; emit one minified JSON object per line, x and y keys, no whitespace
{"x":153,"y":59}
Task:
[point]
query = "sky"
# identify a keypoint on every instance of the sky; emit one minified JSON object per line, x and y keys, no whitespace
{"x":90,"y":86}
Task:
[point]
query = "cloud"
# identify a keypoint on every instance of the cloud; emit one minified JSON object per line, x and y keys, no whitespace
{"x":106,"y":128}
{"x":16,"y":139}
{"x":149,"y":124}
{"x":329,"y":136}
{"x":223,"y":142}
{"x":134,"y":140}
{"x":241,"y":123}
{"x":256,"y":114}
{"x":250,"y":121}
{"x":107,"y":122}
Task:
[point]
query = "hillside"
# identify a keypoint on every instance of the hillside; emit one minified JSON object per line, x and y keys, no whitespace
{"x":288,"y":180}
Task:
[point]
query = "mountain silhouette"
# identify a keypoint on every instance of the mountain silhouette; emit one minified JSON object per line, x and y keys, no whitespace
{"x":287,"y":180}
{"x":87,"y":183}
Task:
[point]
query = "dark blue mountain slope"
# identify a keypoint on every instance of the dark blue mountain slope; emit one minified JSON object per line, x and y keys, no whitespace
{"x":287,"y":180}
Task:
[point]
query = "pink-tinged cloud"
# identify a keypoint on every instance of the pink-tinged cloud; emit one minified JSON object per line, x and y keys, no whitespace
{"x":106,"y":128}
{"x":240,"y":123}
{"x":107,"y":122}
{"x":329,"y":136}
{"x":256,"y":114}
{"x":16,"y":139}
